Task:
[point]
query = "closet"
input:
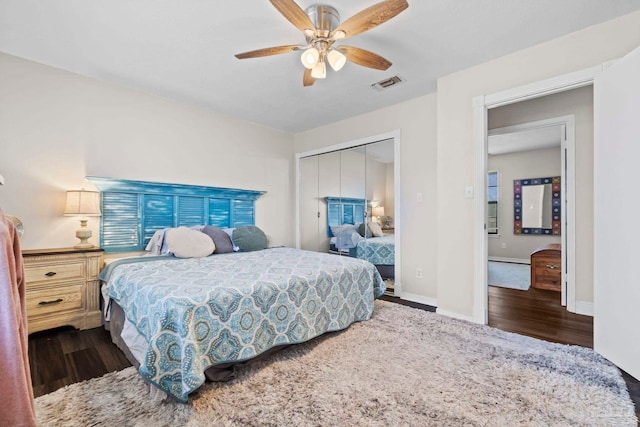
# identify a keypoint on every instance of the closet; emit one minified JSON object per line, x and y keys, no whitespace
{"x":345,"y":187}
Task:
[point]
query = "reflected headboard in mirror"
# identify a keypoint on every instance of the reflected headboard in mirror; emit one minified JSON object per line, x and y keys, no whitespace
{"x":132,"y":211}
{"x":537,"y":206}
{"x":344,"y":210}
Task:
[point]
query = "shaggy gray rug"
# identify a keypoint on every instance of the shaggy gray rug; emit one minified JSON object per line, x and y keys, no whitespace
{"x":403,"y":367}
{"x":509,"y":275}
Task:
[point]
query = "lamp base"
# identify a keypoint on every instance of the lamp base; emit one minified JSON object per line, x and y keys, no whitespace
{"x":84,"y":234}
{"x":84,"y":246}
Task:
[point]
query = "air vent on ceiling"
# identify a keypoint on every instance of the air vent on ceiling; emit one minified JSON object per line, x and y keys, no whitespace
{"x":387,"y":83}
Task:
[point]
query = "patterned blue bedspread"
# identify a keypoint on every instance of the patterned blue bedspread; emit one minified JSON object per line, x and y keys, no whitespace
{"x":377,"y":250}
{"x":199,"y":312}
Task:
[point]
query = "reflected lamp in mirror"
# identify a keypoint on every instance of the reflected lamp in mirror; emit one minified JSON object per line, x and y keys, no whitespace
{"x":83,"y":204}
{"x":537,"y":206}
{"x":378,"y":212}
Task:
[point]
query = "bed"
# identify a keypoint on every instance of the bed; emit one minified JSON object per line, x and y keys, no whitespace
{"x":186,"y":316}
{"x":344,"y":219}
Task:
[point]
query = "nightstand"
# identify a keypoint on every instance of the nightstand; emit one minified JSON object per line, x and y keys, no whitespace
{"x":62,"y":288}
{"x":388,"y":230}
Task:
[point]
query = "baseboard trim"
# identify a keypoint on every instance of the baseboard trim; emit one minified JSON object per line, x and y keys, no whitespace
{"x":419,"y":299}
{"x":513,"y":260}
{"x":455,"y":315}
{"x":584,"y":307}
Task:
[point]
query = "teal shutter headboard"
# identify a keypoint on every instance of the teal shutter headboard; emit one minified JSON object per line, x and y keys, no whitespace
{"x":344,"y":210}
{"x":133,"y":210}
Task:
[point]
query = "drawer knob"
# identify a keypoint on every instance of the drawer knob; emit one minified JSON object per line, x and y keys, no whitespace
{"x":552,"y":266}
{"x":50,"y":274}
{"x":51,"y":302}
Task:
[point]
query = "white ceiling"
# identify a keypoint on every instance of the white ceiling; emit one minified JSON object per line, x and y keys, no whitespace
{"x":524,"y":140}
{"x":184,"y":49}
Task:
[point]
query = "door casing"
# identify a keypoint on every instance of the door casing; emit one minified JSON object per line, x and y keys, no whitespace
{"x":481,"y":105}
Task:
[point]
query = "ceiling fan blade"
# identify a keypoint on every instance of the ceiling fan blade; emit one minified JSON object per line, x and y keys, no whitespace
{"x":371,"y":17}
{"x":307,"y":79}
{"x":294,"y":14}
{"x":364,"y":57}
{"x":276,"y":50}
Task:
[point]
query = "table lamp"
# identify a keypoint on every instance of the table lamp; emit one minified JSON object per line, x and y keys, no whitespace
{"x":377,"y":212}
{"x":83,"y":203}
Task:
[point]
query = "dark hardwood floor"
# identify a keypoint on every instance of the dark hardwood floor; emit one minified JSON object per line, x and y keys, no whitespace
{"x":60,"y":357}
{"x":538,"y":313}
{"x":64,"y":356}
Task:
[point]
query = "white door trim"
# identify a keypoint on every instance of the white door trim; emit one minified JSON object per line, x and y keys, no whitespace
{"x":397,"y":223}
{"x":481,"y":105}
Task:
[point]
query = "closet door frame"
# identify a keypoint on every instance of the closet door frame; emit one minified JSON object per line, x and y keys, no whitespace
{"x":393,"y":135}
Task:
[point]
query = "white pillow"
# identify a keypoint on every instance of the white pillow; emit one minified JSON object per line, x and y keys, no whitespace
{"x":184,"y":242}
{"x":376,"y":231}
{"x":337,"y":229}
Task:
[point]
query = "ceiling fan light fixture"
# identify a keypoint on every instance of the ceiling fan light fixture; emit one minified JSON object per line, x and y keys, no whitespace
{"x":336,"y":59}
{"x":310,"y":57}
{"x":319,"y":71}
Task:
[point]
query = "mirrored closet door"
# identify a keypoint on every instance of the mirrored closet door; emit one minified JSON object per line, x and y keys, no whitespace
{"x":346,"y":204}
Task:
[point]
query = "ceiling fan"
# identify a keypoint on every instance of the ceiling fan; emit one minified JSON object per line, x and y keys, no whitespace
{"x":321,"y":26}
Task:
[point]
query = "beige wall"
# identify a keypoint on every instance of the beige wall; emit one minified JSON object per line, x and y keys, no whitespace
{"x":455,"y":153}
{"x":521,"y":165}
{"x":578,"y":102}
{"x":416,"y":120}
{"x":57,"y":127}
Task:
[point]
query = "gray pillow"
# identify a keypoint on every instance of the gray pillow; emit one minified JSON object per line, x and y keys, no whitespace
{"x":220,"y":239}
{"x":364,"y":231}
{"x":249,"y":238}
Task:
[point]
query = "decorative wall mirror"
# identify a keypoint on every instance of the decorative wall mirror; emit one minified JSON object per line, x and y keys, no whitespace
{"x":536,"y":206}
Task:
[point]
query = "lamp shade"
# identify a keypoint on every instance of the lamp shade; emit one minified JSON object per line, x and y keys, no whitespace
{"x":378,"y":211}
{"x":336,"y":59}
{"x":82,"y":202}
{"x":310,"y":57}
{"x":319,"y":71}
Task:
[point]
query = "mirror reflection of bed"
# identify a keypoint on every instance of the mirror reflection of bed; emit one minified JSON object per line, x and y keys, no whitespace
{"x":346,"y":205}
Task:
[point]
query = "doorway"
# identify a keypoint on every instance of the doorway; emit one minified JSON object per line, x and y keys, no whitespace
{"x":523,"y":157}
{"x":516,"y":100}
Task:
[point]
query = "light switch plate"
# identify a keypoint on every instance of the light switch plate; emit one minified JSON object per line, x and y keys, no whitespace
{"x":468,"y":192}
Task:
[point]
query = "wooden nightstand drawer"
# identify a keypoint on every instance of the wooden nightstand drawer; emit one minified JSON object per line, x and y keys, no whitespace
{"x":55,"y":300}
{"x":62,"y":288}
{"x":50,"y":273}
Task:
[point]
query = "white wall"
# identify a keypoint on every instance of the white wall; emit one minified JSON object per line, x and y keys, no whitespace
{"x":57,"y":127}
{"x":455,"y":214}
{"x":578,"y":102}
{"x":520,"y":165}
{"x":416,"y":120}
